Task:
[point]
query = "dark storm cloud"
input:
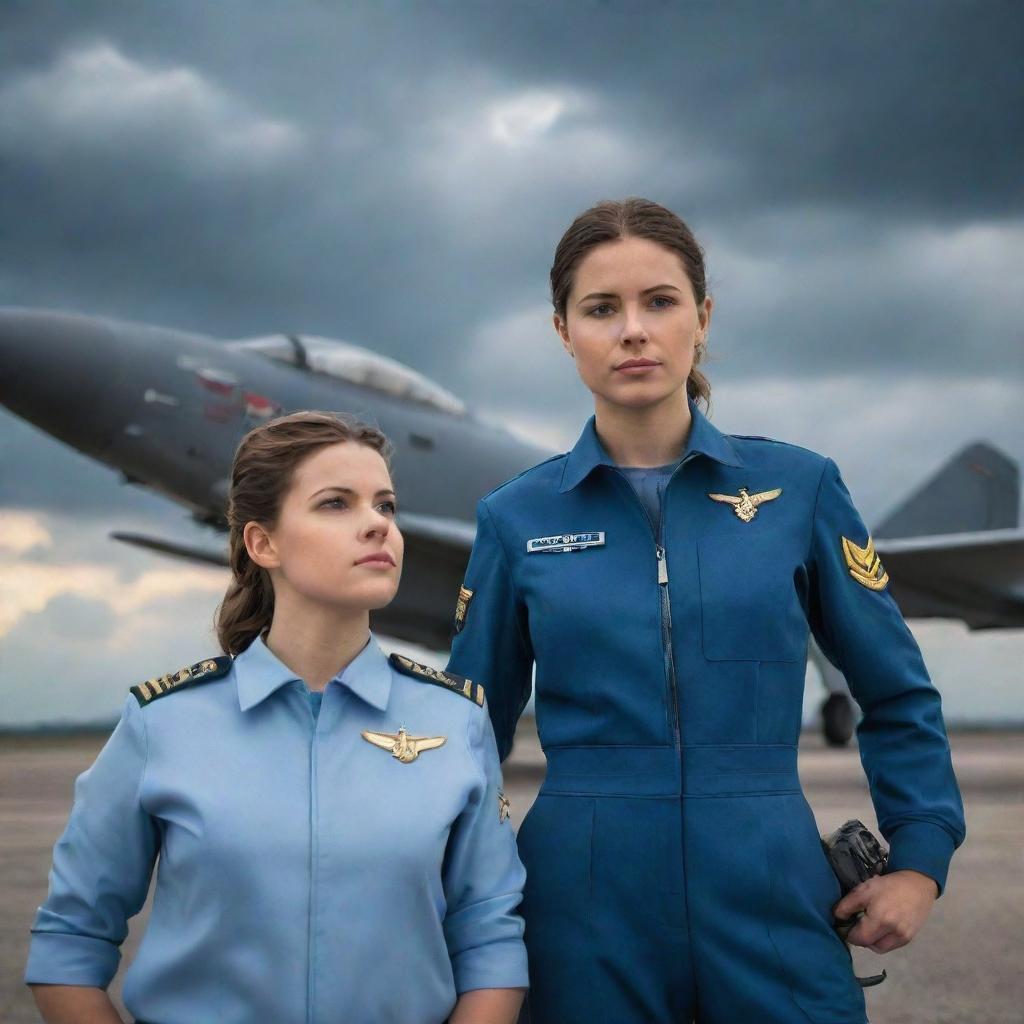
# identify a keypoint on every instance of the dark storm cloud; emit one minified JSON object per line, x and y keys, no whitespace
{"x":397,"y":175}
{"x":385,"y":165}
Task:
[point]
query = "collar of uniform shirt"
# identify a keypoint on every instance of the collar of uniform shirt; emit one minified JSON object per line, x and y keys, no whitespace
{"x":259,"y":673}
{"x":589,"y":453}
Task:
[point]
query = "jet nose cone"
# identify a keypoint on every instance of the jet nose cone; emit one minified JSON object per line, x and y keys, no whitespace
{"x":52,"y":368}
{"x":12,"y":351}
{"x":27,"y":357}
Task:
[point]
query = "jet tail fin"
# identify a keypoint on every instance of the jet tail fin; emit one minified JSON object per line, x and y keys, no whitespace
{"x":977,"y":489}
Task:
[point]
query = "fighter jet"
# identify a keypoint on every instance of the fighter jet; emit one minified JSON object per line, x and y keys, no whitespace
{"x":167,"y":409}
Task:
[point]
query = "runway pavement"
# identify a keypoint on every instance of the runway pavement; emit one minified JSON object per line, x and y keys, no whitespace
{"x":964,"y":968}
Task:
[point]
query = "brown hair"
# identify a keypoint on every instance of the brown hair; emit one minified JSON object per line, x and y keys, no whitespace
{"x":265,"y":461}
{"x":611,"y":220}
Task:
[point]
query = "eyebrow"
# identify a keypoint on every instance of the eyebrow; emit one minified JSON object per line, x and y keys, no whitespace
{"x":348,"y":490}
{"x":612,"y":295}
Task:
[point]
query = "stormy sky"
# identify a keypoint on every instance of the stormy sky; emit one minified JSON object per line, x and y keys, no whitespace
{"x":397,"y":175}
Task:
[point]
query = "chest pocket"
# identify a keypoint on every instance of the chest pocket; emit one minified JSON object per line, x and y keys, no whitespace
{"x":749,"y":607}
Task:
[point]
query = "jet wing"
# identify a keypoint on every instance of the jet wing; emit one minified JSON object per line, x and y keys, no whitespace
{"x":450,"y":533}
{"x":977,"y":577}
{"x":175,"y":549}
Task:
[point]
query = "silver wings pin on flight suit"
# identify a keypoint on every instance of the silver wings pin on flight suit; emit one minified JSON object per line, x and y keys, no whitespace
{"x":401,"y":745}
{"x":744,"y":504}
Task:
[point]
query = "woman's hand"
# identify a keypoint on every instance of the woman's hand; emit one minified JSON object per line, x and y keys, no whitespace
{"x":895,"y":907}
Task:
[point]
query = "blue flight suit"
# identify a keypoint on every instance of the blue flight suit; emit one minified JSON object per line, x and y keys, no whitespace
{"x":305,"y":873}
{"x":674,"y":869}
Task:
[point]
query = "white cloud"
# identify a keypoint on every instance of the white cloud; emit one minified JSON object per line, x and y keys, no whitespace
{"x":30,"y":587}
{"x":522,"y":119}
{"x":20,"y":532}
{"x":93,"y":99}
{"x":972,"y":263}
{"x":84,"y":618}
{"x":819,"y":290}
{"x":495,"y":155}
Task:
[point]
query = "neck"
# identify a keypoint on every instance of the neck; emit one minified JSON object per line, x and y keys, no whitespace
{"x":314,"y":641}
{"x":653,"y":435}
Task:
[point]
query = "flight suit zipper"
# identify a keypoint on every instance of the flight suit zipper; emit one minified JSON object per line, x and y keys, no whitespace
{"x":666,"y":637}
{"x":665,"y":600}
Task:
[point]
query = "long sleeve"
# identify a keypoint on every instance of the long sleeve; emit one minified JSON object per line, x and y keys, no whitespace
{"x":483,"y":880}
{"x":101,"y":867}
{"x":903,"y":744}
{"x":492,"y":644}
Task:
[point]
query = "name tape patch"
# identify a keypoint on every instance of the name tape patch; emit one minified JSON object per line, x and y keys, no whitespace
{"x":562,"y":542}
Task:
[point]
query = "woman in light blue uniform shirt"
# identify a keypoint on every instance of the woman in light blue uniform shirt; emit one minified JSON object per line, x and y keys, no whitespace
{"x":330,"y":837}
{"x":663,"y":578}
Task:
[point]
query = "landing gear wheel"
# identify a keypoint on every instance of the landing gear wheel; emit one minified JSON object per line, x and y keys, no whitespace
{"x":838,"y":719}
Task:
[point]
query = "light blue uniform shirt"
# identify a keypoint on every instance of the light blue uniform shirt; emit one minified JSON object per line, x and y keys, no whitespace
{"x":303,"y":874}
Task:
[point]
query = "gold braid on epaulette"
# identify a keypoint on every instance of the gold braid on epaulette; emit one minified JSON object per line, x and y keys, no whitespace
{"x":456,"y":684}
{"x":200,"y":672}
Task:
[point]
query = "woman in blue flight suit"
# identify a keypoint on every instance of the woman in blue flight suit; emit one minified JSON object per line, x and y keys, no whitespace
{"x":331,"y":837}
{"x":664,"y":578}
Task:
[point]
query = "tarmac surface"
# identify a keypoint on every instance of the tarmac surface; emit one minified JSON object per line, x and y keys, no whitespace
{"x":966,"y":966}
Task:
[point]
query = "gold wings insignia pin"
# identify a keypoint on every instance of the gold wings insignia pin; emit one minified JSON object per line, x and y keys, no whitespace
{"x":744,"y":504}
{"x":864,"y":564}
{"x":401,"y":745}
{"x":504,"y":807}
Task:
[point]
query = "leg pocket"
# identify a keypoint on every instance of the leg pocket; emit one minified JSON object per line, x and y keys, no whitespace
{"x":555,"y":846}
{"x":804,"y":890}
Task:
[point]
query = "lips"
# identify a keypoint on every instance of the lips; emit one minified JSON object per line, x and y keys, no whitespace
{"x":637,"y":364}
{"x":380,"y":558}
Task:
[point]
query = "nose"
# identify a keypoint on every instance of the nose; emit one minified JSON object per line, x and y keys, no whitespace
{"x":379,"y":525}
{"x":633,"y":330}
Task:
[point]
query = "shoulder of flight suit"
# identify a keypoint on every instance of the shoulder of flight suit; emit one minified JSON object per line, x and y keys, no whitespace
{"x":204,"y":671}
{"x":541,"y":474}
{"x":449,"y":680}
{"x":772,"y":453}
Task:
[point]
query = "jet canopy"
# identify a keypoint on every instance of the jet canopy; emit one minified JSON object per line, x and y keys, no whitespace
{"x":355,"y":365}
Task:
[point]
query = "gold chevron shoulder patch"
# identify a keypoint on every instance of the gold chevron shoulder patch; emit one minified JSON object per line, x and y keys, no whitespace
{"x":200,"y":672}
{"x":462,"y":607}
{"x":449,"y":680}
{"x":864,"y":564}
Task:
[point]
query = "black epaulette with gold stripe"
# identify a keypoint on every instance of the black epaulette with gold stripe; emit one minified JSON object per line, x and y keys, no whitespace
{"x":464,"y":687}
{"x":200,"y":672}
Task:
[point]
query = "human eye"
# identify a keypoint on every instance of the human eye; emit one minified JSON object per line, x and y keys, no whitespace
{"x":663,"y":302}
{"x":389,"y":506}
{"x":601,"y":309}
{"x":333,"y":503}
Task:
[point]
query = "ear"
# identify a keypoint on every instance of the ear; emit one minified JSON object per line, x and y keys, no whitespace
{"x":704,"y":317}
{"x":260,"y":546}
{"x":563,"y":333}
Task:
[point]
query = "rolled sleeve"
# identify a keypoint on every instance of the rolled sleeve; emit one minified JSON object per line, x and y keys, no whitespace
{"x":902,"y":737}
{"x":493,"y":646}
{"x":483,"y":880}
{"x":101,"y":867}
